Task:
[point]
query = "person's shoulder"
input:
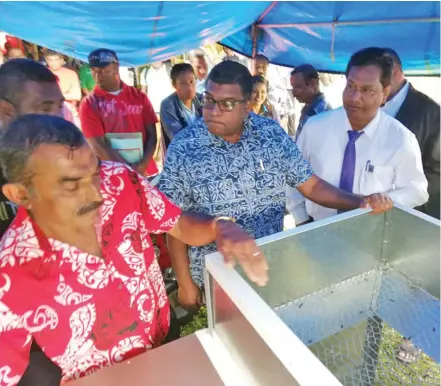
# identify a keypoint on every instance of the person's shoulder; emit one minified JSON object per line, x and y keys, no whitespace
{"x":191,"y":133}
{"x":422,"y":99}
{"x":134,"y":91}
{"x":394,"y":128}
{"x":115,"y":168}
{"x":260,"y":122}
{"x":169,"y":100}
{"x":326,"y":117}
{"x":191,"y":140}
{"x":68,"y":71}
{"x":90,"y":100}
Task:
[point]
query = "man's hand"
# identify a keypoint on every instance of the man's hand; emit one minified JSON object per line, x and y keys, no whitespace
{"x":140,"y":168}
{"x":235,"y":243}
{"x":190,"y":297}
{"x":379,"y":203}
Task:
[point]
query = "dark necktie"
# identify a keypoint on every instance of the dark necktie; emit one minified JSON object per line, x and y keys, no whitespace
{"x":348,"y":166}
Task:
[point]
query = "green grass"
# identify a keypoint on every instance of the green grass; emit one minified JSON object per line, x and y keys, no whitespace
{"x":390,"y":372}
{"x":197,"y":323}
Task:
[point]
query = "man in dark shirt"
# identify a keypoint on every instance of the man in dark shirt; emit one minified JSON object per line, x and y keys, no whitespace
{"x":305,"y":82}
{"x":421,"y":115}
{"x":183,"y":107}
{"x":26,"y":87}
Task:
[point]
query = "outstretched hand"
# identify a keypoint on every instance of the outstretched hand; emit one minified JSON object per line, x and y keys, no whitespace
{"x":235,"y":244}
{"x":379,"y":203}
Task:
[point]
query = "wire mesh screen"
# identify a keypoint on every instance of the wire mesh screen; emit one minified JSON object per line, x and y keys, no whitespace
{"x":377,"y":328}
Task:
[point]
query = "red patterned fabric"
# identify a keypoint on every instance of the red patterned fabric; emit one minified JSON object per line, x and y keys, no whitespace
{"x":86,"y":312}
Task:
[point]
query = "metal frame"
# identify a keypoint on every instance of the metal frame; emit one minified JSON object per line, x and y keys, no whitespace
{"x":269,"y":326}
{"x":271,"y":329}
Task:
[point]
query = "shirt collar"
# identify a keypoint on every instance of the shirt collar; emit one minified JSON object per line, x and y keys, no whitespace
{"x":246,"y":134}
{"x":370,"y":129}
{"x":102,"y":93}
{"x":317,"y":99}
{"x":403,"y":91}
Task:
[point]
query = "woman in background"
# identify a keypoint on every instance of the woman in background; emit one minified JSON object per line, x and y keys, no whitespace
{"x":259,"y":101}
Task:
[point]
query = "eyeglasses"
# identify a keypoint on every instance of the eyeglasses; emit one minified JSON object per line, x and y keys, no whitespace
{"x":224,"y":105}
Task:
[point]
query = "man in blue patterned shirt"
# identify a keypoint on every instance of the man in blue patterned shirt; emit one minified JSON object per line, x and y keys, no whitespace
{"x":237,"y":164}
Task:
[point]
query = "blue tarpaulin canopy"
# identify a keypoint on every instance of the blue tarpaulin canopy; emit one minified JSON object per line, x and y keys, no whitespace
{"x":323,"y":34}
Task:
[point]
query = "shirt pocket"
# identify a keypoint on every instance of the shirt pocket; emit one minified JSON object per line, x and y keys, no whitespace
{"x":379,"y":180}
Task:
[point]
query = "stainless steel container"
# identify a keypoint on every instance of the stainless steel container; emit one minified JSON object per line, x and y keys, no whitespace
{"x":343,"y":293}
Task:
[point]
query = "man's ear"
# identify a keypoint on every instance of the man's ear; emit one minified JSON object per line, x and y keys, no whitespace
{"x":386,"y":93}
{"x":7,"y":112}
{"x":314,"y":84}
{"x":248,"y":107}
{"x":17,"y":194}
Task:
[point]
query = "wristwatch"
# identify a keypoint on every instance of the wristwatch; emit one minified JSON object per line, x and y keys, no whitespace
{"x":221,"y":218}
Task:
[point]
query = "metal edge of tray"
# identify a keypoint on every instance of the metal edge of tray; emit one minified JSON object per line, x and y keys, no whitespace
{"x":299,"y":361}
{"x":313,"y":225}
{"x":227,"y":370}
{"x":341,"y":217}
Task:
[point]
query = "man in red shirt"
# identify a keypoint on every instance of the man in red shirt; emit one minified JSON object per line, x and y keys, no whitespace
{"x":115,"y":108}
{"x":80,"y":251}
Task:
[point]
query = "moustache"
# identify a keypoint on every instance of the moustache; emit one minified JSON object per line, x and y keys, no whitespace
{"x":89,"y":207}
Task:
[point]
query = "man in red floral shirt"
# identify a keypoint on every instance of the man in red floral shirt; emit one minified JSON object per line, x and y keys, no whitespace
{"x":77,"y":267}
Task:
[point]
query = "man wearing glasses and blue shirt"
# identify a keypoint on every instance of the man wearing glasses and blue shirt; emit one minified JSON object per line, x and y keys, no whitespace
{"x":358,"y":147}
{"x":237,"y":165}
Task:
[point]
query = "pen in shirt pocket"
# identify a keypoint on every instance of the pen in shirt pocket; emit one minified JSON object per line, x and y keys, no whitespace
{"x":369,"y":167}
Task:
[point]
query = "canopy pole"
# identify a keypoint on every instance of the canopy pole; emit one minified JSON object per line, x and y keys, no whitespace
{"x":333,"y":43}
{"x":267,"y":11}
{"x":360,"y":22}
{"x":254,"y":32}
{"x":254,"y":35}
{"x":35,"y":52}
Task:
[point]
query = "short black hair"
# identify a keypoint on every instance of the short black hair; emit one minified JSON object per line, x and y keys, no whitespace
{"x":308,"y":71}
{"x":25,"y":134}
{"x":395,"y":57}
{"x":261,"y":57}
{"x":260,"y":79}
{"x":52,"y":53}
{"x":180,"y":68}
{"x":230,"y":72}
{"x":16,"y":72}
{"x":373,"y":56}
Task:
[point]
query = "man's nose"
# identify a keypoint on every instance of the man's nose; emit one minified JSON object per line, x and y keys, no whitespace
{"x":216,"y":111}
{"x":95,"y":190}
{"x":356,"y":95}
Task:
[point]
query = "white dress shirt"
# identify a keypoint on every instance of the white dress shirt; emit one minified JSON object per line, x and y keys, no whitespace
{"x":388,"y":160}
{"x":391,"y":107}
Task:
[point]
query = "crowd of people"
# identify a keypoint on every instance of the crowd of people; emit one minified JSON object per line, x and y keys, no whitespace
{"x":80,"y":202}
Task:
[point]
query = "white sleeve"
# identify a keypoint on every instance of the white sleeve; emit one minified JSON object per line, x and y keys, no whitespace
{"x":295,"y":201}
{"x":409,"y":180}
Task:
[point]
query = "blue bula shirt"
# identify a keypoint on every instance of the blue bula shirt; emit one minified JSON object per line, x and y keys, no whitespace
{"x":246,"y":180}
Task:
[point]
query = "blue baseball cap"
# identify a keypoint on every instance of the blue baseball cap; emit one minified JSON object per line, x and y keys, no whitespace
{"x":102,"y":57}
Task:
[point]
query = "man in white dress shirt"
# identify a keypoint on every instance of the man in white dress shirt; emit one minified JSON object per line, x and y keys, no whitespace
{"x":358,"y":147}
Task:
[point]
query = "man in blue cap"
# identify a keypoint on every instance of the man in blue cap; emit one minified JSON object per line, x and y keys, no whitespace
{"x":118,"y":111}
